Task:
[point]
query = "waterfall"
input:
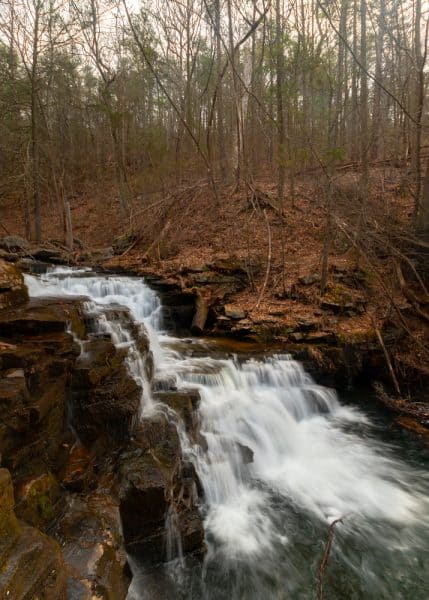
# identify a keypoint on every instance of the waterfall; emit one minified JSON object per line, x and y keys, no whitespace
{"x":283,"y":453}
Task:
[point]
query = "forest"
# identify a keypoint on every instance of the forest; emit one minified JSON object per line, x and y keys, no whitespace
{"x":286,"y":134}
{"x":250,"y":178}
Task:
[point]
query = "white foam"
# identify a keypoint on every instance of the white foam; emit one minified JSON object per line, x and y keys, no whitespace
{"x":299,"y":432}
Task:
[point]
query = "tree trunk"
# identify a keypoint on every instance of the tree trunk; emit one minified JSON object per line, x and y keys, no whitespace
{"x":35,"y":126}
{"x":281,"y":137}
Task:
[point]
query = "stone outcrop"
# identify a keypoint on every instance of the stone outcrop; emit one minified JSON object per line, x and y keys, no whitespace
{"x":31,"y":564}
{"x":159,"y":494}
{"x":105,"y":399}
{"x":78,"y":456}
{"x":12,"y":289}
{"x":14,"y":248}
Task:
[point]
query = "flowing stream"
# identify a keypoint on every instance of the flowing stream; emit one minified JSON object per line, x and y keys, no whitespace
{"x":311,"y":459}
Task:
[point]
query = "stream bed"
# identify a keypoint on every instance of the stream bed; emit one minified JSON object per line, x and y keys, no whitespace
{"x":284,"y":459}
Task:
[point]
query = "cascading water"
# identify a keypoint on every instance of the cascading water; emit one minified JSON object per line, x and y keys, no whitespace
{"x":284,"y":458}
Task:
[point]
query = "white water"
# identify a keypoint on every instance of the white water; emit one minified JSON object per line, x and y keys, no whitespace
{"x":308,"y":449}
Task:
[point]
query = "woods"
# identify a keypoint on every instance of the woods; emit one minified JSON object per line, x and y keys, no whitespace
{"x":167,"y":91}
{"x":214,"y":299}
{"x":290,"y":135}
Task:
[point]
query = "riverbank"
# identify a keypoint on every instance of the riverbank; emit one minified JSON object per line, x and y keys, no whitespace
{"x":97,"y":470}
{"x":342,"y":337}
{"x":251,"y":273}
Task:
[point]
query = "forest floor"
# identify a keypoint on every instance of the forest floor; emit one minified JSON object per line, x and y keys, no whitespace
{"x":173,"y":235}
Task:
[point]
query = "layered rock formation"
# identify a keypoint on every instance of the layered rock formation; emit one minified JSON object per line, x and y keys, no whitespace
{"x":77,"y":457}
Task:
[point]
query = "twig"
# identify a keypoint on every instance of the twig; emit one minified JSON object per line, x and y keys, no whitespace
{"x":8,"y":232}
{"x":326,"y":554}
{"x":387,"y":357}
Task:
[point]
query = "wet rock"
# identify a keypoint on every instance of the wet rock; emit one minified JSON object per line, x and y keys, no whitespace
{"x":9,"y":525}
{"x":43,"y":315}
{"x":247,"y":454}
{"x":105,"y":397}
{"x":77,"y":472}
{"x":156,"y":494}
{"x":38,"y":500}
{"x":185,"y":404}
{"x":162,"y":383}
{"x":191,"y":531}
{"x":29,"y":265}
{"x":31,"y":564}
{"x":51,"y":255}
{"x":146,"y":490}
{"x":35,"y":366}
{"x":13,"y":291}
{"x":91,"y":540}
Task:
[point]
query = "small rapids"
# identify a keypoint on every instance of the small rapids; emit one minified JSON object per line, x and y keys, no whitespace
{"x":284,"y":459}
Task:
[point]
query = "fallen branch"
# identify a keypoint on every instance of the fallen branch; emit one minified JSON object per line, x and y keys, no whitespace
{"x":325,"y":559}
{"x":3,"y":227}
{"x":387,"y":357}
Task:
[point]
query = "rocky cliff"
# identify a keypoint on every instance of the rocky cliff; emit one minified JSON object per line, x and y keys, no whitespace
{"x":83,"y":476}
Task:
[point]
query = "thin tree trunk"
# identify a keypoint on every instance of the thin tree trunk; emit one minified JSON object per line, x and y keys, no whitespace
{"x":35,"y":158}
{"x":281,"y":137}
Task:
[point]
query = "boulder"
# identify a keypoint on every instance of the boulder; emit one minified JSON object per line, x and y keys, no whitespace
{"x":13,"y":291}
{"x":50,"y":255}
{"x":185,"y":404}
{"x":43,"y":315}
{"x":14,"y":243}
{"x":105,"y":398}
{"x":246,"y":453}
{"x":157,"y":495}
{"x":234,"y":312}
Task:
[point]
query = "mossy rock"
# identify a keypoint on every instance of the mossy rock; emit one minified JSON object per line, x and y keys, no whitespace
{"x":38,"y":499}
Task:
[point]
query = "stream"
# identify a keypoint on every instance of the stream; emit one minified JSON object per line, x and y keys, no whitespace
{"x":313,"y":458}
